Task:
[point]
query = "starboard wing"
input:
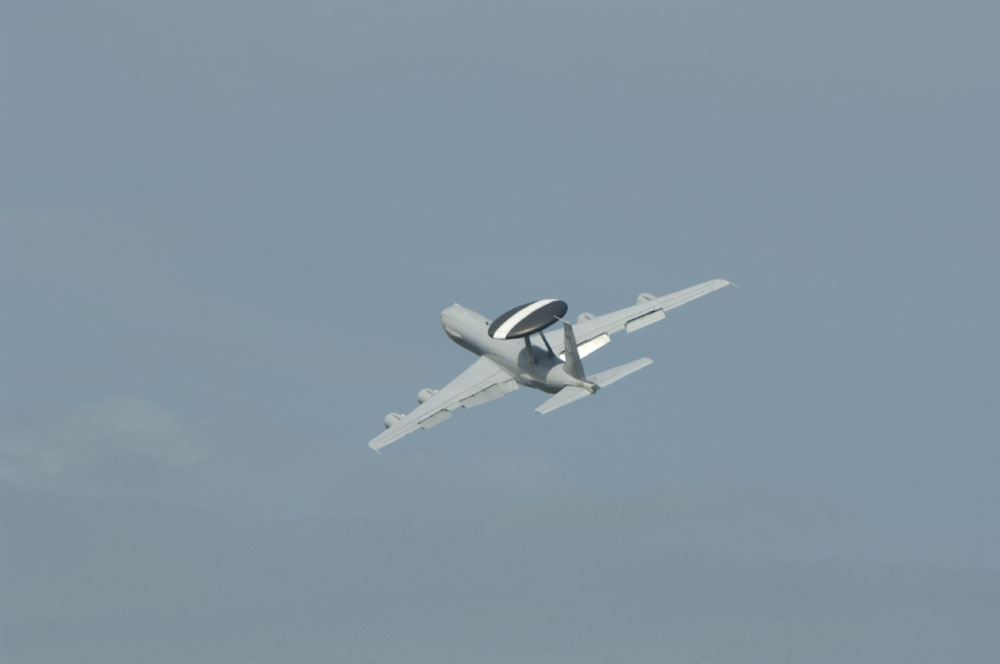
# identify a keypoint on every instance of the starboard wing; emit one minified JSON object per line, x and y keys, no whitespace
{"x":592,"y":333}
{"x":482,"y":382}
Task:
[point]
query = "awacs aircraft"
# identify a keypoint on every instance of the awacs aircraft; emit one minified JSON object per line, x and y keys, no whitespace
{"x":508,"y":358}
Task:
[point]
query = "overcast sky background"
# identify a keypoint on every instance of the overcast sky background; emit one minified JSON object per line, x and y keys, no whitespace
{"x":228,"y":229}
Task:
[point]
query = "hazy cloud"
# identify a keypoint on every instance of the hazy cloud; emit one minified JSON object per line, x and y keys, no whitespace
{"x":123,"y":581}
{"x":121,"y":443}
{"x":228,"y":229}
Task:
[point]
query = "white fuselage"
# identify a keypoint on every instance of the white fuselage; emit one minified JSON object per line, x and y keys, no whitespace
{"x":528,"y":364}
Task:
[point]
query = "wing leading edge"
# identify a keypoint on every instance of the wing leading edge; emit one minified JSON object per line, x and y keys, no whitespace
{"x":482,"y":382}
{"x":593,"y":333}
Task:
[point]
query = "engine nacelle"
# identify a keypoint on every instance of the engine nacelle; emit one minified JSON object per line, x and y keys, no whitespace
{"x":586,"y":315}
{"x":425,"y":394}
{"x":644,"y":297}
{"x":391,"y":419}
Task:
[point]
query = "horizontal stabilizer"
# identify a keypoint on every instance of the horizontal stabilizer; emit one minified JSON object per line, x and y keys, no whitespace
{"x":564,"y":396}
{"x":605,"y":378}
{"x":568,"y":395}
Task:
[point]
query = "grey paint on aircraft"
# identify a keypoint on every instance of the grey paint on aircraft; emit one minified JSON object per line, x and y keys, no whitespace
{"x":504,"y":362}
{"x":527,"y":319}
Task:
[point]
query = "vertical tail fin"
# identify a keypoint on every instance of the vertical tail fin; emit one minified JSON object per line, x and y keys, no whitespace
{"x":574,"y":367}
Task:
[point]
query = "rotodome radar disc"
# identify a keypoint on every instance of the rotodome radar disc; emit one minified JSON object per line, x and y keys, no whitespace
{"x":528,"y":319}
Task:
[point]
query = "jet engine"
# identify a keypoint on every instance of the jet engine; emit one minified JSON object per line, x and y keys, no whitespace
{"x":425,"y":394}
{"x":391,"y":419}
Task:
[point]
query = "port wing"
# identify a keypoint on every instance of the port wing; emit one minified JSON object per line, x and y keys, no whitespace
{"x":483,"y":381}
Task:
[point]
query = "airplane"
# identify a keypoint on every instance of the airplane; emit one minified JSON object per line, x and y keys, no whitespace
{"x":509,"y":359}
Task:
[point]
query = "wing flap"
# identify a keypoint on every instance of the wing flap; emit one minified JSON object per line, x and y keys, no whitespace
{"x":435,"y":419}
{"x":589,"y":346}
{"x":642,"y":321}
{"x":482,"y":396}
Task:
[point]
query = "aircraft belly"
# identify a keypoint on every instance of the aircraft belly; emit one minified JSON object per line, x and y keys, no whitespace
{"x":531,"y":367}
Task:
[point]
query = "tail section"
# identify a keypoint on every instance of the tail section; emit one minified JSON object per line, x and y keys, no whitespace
{"x":568,"y":395}
{"x":573,"y":366}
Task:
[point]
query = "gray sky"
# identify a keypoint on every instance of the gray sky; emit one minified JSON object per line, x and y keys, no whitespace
{"x":228,"y":230}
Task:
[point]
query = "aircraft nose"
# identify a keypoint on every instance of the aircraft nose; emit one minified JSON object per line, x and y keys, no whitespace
{"x":450,"y":312}
{"x":451,"y":321}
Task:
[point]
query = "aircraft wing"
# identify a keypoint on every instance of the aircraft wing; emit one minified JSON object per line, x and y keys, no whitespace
{"x":483,"y":381}
{"x":595,"y":332}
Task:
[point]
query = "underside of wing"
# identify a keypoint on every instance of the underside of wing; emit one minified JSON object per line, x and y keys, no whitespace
{"x":481,"y":383}
{"x":593,"y":332}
